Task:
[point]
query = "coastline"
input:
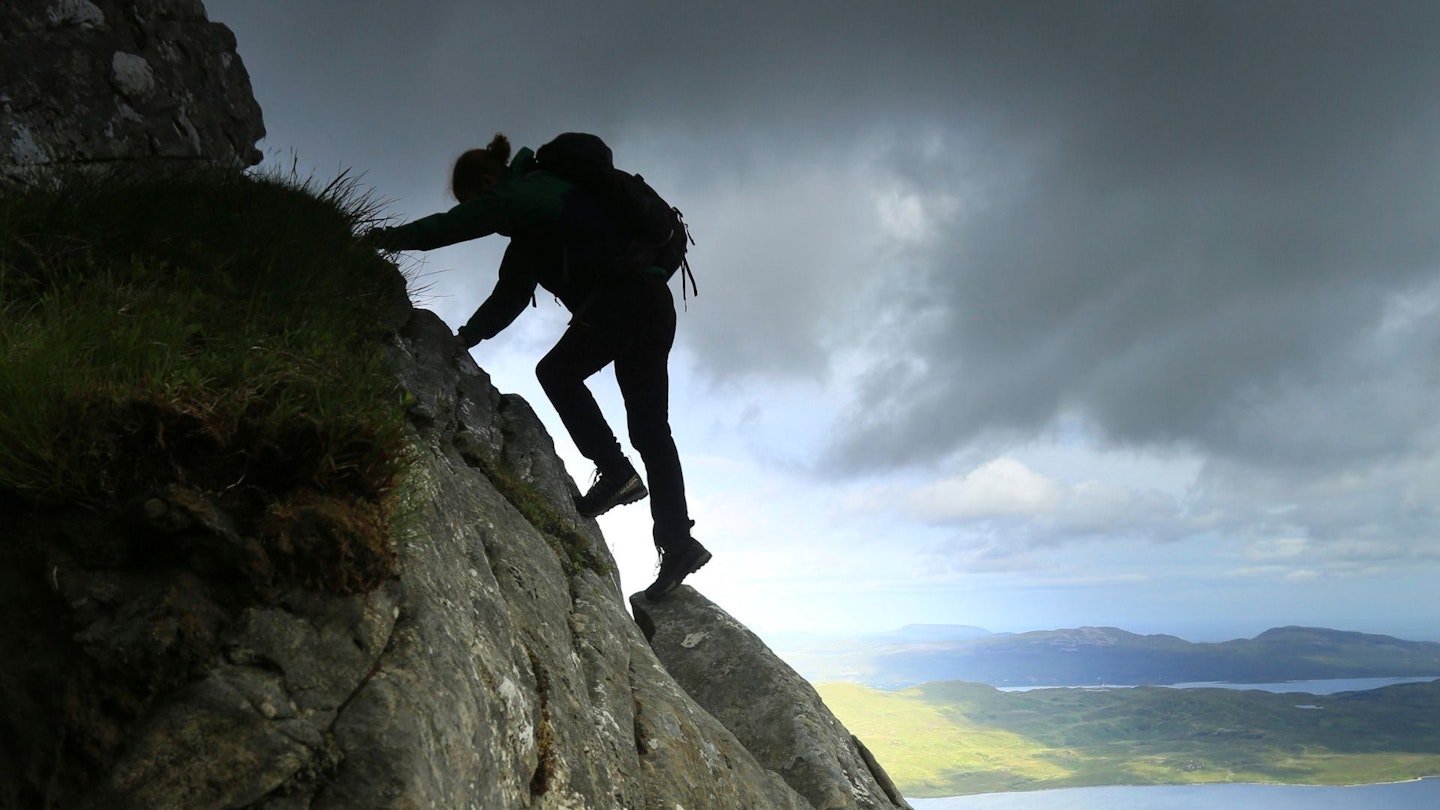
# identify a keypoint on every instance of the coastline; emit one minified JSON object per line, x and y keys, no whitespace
{"x":1184,"y":785}
{"x":1210,"y":784}
{"x":961,"y":739}
{"x":1408,"y":794}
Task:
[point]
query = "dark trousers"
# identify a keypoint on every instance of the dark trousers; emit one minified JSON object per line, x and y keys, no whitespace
{"x":633,"y":326}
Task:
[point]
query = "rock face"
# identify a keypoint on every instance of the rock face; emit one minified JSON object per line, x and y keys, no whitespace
{"x":508,"y":678}
{"x":86,"y":82}
{"x":774,"y":712}
{"x":493,"y":672}
{"x":153,"y":661}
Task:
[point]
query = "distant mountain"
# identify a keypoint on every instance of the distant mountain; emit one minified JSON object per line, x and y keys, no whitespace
{"x":1106,"y":655}
{"x":926,"y":633}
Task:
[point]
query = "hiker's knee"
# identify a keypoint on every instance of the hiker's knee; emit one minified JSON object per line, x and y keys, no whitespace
{"x":650,"y":433}
{"x":551,"y":373}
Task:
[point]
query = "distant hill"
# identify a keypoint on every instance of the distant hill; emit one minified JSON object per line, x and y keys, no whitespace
{"x":955,"y":738}
{"x":928,"y":633}
{"x":1105,"y":655}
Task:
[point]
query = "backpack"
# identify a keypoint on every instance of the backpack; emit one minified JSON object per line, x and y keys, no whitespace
{"x":659,"y":234}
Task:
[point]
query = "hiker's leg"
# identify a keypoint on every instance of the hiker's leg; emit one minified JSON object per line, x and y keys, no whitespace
{"x":642,"y":373}
{"x":582,"y":351}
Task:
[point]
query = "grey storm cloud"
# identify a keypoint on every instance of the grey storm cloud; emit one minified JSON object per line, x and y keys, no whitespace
{"x":1183,"y":223}
{"x":1206,"y":227}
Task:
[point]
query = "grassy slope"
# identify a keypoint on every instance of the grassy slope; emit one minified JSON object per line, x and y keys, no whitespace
{"x":216,"y":332}
{"x":221,"y":333}
{"x":955,"y":738}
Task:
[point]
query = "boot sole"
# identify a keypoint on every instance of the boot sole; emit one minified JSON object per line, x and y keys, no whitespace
{"x":700,"y":563}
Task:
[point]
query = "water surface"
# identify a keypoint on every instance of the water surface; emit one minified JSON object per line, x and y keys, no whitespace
{"x":1329,"y":686}
{"x":1420,"y":795}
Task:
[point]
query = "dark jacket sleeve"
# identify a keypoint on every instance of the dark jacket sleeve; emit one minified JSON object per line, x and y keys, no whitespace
{"x":514,"y":288}
{"x":525,"y":202}
{"x":504,"y":305}
{"x":468,"y":220}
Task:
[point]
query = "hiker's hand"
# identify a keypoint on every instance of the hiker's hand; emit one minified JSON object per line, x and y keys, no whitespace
{"x":466,"y":341}
{"x":380,"y":239}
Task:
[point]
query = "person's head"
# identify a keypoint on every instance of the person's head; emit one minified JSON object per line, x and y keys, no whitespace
{"x":478,"y":170}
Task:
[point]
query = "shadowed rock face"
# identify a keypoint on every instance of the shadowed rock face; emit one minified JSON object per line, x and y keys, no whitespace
{"x":491,"y":672}
{"x":510,"y":681}
{"x":103,"y":82}
{"x":774,"y":712}
{"x":155,"y":660}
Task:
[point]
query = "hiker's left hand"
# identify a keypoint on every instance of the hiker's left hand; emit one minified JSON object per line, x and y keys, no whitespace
{"x":465,"y":340}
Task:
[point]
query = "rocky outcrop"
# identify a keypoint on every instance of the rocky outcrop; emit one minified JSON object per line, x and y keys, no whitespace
{"x":772,"y":710}
{"x":104,"y":82}
{"x":512,"y":677}
{"x":162,"y":657}
{"x":497,"y":669}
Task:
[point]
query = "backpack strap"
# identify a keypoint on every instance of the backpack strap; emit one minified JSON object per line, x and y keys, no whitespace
{"x":685,"y":271}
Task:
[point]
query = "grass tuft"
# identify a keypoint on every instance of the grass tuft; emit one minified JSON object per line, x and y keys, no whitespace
{"x":216,"y":330}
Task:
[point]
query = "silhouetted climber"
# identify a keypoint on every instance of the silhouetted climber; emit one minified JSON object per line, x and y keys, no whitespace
{"x":573,"y":241}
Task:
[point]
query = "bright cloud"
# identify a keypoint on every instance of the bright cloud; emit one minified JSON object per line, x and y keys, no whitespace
{"x":1000,"y":488}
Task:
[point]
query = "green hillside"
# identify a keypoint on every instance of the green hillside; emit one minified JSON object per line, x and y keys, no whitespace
{"x":954,"y":738}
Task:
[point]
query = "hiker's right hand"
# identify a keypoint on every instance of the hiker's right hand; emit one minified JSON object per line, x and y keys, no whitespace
{"x":381,"y":239}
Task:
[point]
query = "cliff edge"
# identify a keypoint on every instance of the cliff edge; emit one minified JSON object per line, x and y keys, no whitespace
{"x":104,"y":82}
{"x":492,"y":670}
{"x":269,"y":539}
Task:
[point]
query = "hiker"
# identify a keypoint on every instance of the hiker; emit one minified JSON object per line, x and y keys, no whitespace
{"x":571,"y":241}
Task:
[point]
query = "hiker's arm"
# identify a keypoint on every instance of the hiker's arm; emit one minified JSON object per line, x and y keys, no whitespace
{"x":512,"y":292}
{"x":479,"y":217}
{"x":522,"y":205}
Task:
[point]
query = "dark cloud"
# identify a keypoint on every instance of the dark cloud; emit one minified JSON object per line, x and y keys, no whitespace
{"x":1210,"y":216}
{"x":1181,"y":223}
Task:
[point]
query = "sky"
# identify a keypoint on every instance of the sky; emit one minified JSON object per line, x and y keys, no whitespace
{"x":1022,"y":315}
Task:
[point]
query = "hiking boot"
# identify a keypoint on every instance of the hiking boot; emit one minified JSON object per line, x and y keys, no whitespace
{"x":675,"y":565}
{"x":611,"y":490}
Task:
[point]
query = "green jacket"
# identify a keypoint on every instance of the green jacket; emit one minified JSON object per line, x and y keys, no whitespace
{"x":525,"y":204}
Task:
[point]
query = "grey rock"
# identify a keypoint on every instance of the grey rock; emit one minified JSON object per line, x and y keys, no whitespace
{"x":93,"y":83}
{"x":498,"y":669}
{"x":261,"y":717}
{"x":774,"y":712}
{"x":492,"y":672}
{"x":508,"y":682}
{"x":221,"y":723}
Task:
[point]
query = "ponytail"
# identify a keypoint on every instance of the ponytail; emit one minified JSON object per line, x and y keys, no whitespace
{"x":478,"y":169}
{"x":499,"y":148}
